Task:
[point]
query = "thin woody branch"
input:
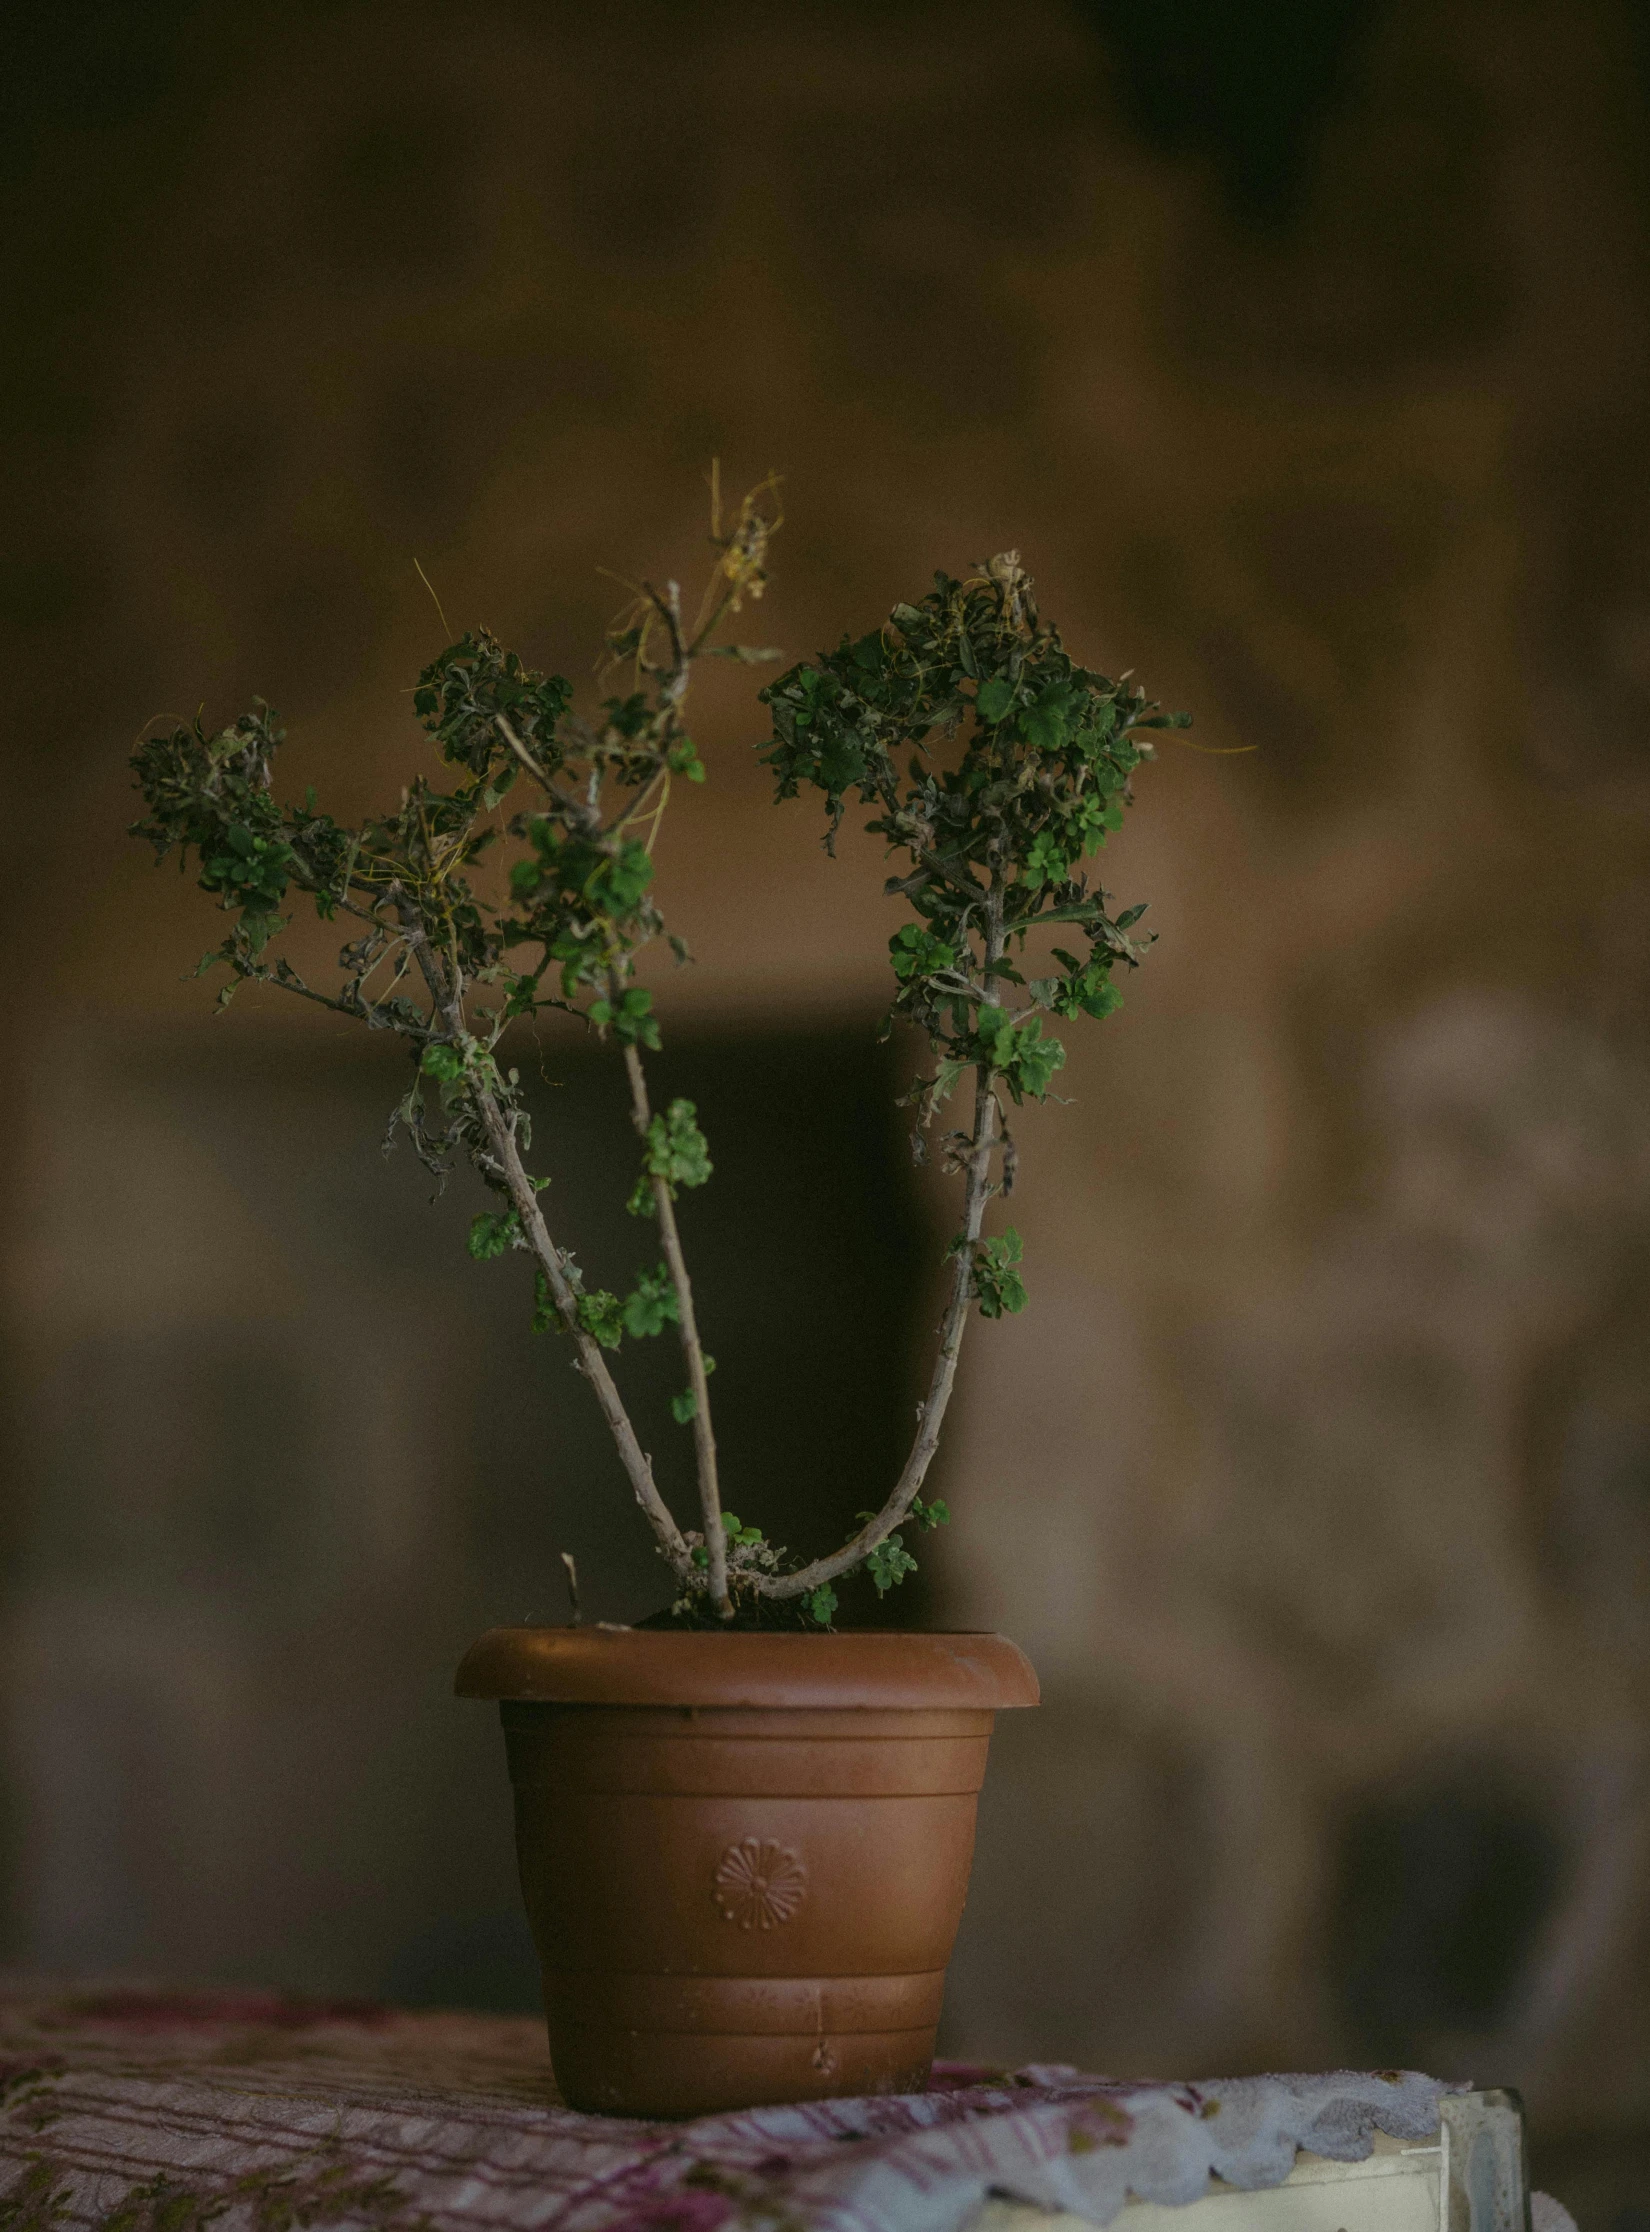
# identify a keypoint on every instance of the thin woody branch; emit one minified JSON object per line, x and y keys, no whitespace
{"x":693,"y":1355}
{"x":447,"y":994}
{"x":637,"y":1464}
{"x":908,"y":1487}
{"x":524,"y":758}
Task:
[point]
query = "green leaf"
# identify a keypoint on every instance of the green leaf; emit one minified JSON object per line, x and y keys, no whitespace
{"x":676,"y":1151}
{"x":1045,"y":724}
{"x":1036,"y":1060}
{"x":889,"y":1563}
{"x":821,"y":1603}
{"x":1021,"y":1055}
{"x":993,"y":699}
{"x":651,"y":1305}
{"x":994,"y":1280}
{"x":1046,"y":862}
{"x":443,"y":1061}
{"x":523,"y":992}
{"x":633,"y":1020}
{"x":684,"y":1407}
{"x":994,"y":1028}
{"x":492,"y":1236}
{"x":1085,"y":989}
{"x":916,"y":952}
{"x":602,"y":1317}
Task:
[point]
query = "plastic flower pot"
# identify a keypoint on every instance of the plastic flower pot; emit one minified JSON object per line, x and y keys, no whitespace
{"x":744,"y":1857}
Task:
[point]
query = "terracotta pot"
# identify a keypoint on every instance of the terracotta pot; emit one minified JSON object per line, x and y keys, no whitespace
{"x":744,"y":1857}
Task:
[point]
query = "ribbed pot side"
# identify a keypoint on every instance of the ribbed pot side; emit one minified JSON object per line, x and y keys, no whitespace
{"x":744,"y":1857}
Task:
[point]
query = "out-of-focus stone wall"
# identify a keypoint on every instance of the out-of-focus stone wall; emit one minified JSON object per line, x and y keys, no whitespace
{"x":1317,"y":1477}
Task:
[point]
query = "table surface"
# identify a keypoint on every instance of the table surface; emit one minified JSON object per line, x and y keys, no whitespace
{"x":145,"y":2111}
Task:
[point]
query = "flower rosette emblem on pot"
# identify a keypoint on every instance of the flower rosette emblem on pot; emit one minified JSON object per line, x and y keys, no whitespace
{"x":759,"y":1883}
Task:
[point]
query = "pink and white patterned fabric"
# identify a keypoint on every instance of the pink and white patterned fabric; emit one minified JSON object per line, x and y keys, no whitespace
{"x":147,"y":2112}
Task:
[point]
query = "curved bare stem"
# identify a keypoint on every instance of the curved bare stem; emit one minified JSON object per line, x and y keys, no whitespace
{"x":693,"y":1355}
{"x":931,"y":1416}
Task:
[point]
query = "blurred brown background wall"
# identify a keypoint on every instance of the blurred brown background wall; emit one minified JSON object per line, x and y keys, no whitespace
{"x":1302,"y":349}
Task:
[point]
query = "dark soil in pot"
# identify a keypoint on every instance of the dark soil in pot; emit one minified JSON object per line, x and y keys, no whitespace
{"x":744,"y":1856}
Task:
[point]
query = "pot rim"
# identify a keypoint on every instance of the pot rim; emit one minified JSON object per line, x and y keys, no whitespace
{"x":870,"y":1668}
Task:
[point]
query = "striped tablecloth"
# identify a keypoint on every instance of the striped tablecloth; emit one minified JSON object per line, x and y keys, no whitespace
{"x":138,"y":2111}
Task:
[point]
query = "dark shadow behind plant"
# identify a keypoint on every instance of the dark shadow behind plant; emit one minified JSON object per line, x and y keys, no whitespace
{"x":991,"y":761}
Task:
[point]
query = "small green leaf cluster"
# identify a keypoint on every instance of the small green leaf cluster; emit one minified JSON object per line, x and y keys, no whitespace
{"x":630,"y":1017}
{"x":651,"y":1305}
{"x":602,"y":1316}
{"x":493,"y":1234}
{"x":210,"y":795}
{"x":597,"y":1312}
{"x":888,"y":1562}
{"x":994,"y":1274}
{"x":675,"y":1150}
{"x":647,"y":1309}
{"x":1086,"y":988}
{"x":918,"y":955}
{"x":462,"y":694}
{"x":1017,"y":1052}
{"x":748,"y":1549}
{"x":582,"y":898}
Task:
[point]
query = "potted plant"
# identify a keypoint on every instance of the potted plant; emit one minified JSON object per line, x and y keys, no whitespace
{"x":744,"y":1835}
